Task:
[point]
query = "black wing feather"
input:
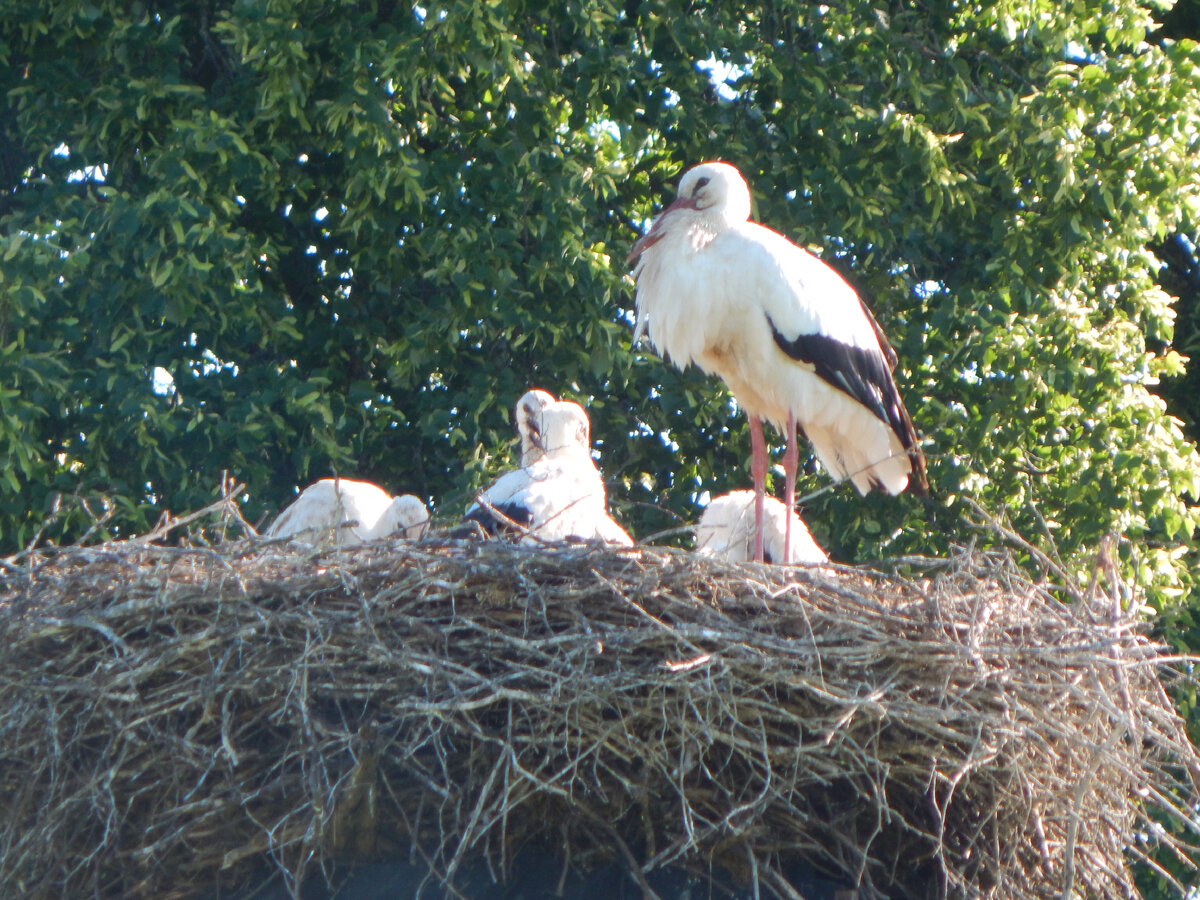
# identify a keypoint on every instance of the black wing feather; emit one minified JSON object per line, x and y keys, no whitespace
{"x":510,"y":514}
{"x":866,"y":376}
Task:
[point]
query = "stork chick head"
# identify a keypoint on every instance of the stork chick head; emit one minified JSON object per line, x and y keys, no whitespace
{"x":565,"y":430}
{"x":528,"y":416}
{"x":726,"y":530}
{"x":406,"y":517}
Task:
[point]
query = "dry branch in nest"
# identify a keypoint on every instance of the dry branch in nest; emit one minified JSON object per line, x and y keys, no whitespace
{"x":178,"y":718}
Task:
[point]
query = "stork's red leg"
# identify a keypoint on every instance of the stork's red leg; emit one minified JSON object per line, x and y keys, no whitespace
{"x":791,"y":458}
{"x":758,"y":469}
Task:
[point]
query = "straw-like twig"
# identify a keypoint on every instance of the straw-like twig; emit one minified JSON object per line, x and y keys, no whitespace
{"x":176,"y":718}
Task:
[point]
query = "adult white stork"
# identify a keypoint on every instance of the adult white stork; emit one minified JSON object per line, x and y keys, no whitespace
{"x":557,"y":496}
{"x":726,"y":530}
{"x":792,"y":340}
{"x":346,"y":513}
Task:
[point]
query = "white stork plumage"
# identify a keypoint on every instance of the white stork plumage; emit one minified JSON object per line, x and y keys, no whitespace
{"x":792,"y":340}
{"x":726,"y":530}
{"x":528,"y":416}
{"x":347,"y":513}
{"x":559,"y":495}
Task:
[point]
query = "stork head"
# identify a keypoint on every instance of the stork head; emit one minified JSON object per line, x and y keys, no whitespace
{"x":565,"y":430}
{"x":726,"y":527}
{"x":715,"y":192}
{"x":716,"y":189}
{"x":528,"y":416}
{"x":406,"y":517}
{"x":726,"y":530}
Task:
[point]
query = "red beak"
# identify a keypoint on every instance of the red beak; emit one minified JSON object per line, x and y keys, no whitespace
{"x":656,"y":232}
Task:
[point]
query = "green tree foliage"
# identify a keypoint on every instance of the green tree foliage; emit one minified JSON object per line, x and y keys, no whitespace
{"x":286,"y":238}
{"x":1180,"y":276}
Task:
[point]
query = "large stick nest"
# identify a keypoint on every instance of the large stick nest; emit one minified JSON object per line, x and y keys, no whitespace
{"x":180,"y":718}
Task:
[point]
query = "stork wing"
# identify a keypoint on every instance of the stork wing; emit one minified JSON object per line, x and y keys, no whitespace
{"x":867,"y":377}
{"x":816,"y":318}
{"x":885,"y":345}
{"x":861,"y":373}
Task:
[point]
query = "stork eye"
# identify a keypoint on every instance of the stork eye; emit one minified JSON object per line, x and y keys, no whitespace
{"x":703,"y":182}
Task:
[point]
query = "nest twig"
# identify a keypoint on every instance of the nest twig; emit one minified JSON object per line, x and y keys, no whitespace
{"x":181,"y":717}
